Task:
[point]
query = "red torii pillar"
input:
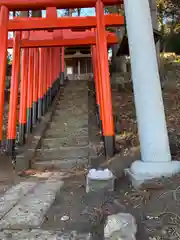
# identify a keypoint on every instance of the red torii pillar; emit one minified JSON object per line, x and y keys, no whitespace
{"x":45,"y":81}
{"x":55,"y":84}
{"x":49,"y":78}
{"x":51,"y":13}
{"x":23,"y":96}
{"x":12,"y":116}
{"x":35,"y":86}
{"x":40,"y":83}
{"x":4,"y":16}
{"x":30,"y":90}
{"x":99,"y":77}
{"x":62,"y":76}
{"x":106,"y":101}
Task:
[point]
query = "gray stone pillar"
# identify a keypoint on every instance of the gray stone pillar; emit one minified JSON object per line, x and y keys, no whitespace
{"x":155,"y":151}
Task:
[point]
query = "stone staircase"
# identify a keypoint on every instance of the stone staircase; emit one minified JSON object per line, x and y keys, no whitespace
{"x":34,"y":208}
{"x":66,"y":142}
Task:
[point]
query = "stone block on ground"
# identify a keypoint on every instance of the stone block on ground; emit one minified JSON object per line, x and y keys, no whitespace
{"x":99,"y":179}
{"x":41,"y":235}
{"x":64,"y":152}
{"x":14,"y":195}
{"x":30,"y":211}
{"x":65,"y":142}
{"x":121,"y":226}
{"x":59,"y":133}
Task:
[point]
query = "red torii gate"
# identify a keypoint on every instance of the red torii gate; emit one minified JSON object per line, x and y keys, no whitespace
{"x":38,"y":85}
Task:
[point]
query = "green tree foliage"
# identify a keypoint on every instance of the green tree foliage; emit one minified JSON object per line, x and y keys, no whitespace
{"x":169,"y":24}
{"x":173,"y":43}
{"x":70,"y":12}
{"x":114,"y":9}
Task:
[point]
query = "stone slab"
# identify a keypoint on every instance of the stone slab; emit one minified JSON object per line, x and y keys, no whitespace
{"x":13,"y":195}
{"x":74,"y":108}
{"x":63,"y":152}
{"x":69,"y":124}
{"x":62,"y":134}
{"x":27,"y":235}
{"x":65,"y":142}
{"x":68,"y":117}
{"x":42,"y":235}
{"x":66,"y":127}
{"x":30,"y":211}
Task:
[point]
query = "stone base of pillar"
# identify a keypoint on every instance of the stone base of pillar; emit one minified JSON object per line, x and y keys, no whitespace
{"x":109,"y":144}
{"x":62,"y":78}
{"x":22,"y":132}
{"x":140,"y":171}
{"x":10,"y":147}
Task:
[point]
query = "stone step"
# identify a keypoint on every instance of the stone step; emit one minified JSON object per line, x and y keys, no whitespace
{"x":65,"y":142}
{"x":70,"y":124}
{"x":67,"y":164}
{"x":78,"y":121}
{"x":62,"y":153}
{"x":71,"y":112}
{"x":31,"y":210}
{"x":38,"y":234}
{"x":66,"y":117}
{"x":61,"y":133}
{"x":76,"y":96}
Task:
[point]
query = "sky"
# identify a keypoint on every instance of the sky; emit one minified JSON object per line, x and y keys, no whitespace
{"x":84,"y":12}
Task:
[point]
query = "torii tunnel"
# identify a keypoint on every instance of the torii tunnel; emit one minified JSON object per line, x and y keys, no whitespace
{"x":42,"y":42}
{"x":38,"y":45}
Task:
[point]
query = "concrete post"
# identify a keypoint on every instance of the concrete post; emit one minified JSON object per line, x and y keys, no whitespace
{"x":155,"y":151}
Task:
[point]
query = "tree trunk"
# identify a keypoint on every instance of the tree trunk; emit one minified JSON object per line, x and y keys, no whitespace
{"x":79,"y":12}
{"x":153,"y":8}
{"x":113,"y":60}
{"x":36,"y":13}
{"x":70,"y":12}
{"x":118,"y":62}
{"x":24,"y":14}
{"x":161,"y":17}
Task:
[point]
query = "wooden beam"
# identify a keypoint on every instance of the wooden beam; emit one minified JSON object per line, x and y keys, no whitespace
{"x":111,"y":39}
{"x":20,"y":24}
{"x":42,"y":4}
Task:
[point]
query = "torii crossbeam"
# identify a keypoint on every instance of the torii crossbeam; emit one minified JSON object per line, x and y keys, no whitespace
{"x":45,"y":39}
{"x":42,"y":4}
{"x":20,"y":24}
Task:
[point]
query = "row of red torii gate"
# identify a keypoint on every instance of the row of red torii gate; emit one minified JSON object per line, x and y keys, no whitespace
{"x":38,"y":54}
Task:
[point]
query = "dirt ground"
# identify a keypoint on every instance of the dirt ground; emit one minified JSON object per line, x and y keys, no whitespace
{"x":156,"y":205}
